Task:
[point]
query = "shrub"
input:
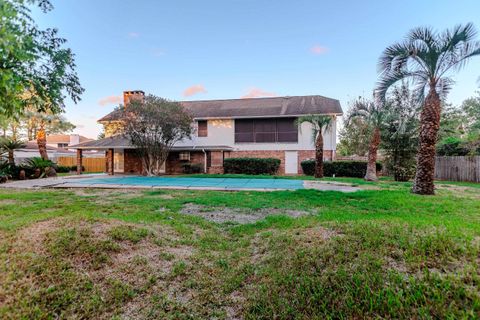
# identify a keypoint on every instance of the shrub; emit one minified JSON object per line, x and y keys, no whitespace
{"x":192,"y":168}
{"x":251,"y":165}
{"x":37,"y":167}
{"x":4,"y":175}
{"x":354,"y":169}
{"x":452,"y":147}
{"x":10,"y":170}
{"x":74,"y":168}
{"x":63,"y":169}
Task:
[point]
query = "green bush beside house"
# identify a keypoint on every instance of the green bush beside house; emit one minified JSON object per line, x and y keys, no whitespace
{"x":353,"y":169}
{"x":251,"y":165}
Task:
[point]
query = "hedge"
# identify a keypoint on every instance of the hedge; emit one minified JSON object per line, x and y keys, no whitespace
{"x":192,"y":168}
{"x":74,"y":168}
{"x":353,"y":169}
{"x":63,"y":169}
{"x":251,"y":165}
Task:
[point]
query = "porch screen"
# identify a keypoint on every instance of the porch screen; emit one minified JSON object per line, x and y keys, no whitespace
{"x":266,"y":130}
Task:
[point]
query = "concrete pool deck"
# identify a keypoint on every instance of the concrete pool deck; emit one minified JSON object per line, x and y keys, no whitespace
{"x":181,"y":183}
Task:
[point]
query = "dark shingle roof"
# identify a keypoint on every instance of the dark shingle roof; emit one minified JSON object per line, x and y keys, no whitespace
{"x":122,"y":142}
{"x":255,"y":107}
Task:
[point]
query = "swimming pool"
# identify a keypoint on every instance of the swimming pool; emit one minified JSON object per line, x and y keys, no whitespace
{"x":187,"y":182}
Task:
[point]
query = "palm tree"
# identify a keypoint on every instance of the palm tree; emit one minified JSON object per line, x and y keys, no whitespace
{"x":10,"y":145}
{"x":320,"y":124}
{"x":373,"y":115}
{"x":427,"y":58}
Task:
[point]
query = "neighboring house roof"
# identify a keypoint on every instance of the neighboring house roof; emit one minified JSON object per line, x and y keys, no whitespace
{"x":63,"y":138}
{"x":254,"y":107}
{"x":32,"y":145}
{"x":122,"y":142}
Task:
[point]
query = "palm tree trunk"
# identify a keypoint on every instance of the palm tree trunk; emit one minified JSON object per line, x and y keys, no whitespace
{"x":371,"y":174}
{"x":319,"y":155}
{"x":42,"y":141}
{"x":429,"y":125}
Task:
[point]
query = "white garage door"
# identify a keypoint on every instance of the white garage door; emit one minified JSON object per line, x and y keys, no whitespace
{"x":291,"y":162}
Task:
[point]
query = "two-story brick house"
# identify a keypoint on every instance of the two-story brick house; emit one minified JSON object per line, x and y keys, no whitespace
{"x":257,"y":127}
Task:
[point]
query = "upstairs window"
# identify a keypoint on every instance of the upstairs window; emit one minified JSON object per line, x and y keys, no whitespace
{"x":266,"y":130}
{"x":202,"y":128}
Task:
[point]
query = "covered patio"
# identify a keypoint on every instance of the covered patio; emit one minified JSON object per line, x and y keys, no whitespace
{"x":121,"y":157}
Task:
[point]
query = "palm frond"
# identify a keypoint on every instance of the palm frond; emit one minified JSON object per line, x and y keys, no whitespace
{"x":389,"y":79}
{"x":457,"y":47}
{"x":320,"y":123}
{"x":424,"y":35}
{"x":444,"y":86}
{"x":426,"y":56}
{"x":394,"y":57}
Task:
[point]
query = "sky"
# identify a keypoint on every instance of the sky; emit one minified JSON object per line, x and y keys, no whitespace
{"x":223,"y":49}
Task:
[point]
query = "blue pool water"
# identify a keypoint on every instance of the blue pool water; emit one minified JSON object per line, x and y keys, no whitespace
{"x":221,"y":183}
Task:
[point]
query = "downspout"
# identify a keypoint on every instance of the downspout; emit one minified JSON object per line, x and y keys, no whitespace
{"x":205,"y":161}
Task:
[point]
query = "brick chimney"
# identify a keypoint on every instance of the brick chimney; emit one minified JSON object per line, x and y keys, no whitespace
{"x":132,"y":95}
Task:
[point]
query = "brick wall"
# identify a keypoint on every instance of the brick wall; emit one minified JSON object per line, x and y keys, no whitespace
{"x":174,"y":165}
{"x":132,"y":163}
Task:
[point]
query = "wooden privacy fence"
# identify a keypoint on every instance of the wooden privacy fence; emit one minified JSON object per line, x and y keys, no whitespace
{"x":90,"y":164}
{"x":458,"y":168}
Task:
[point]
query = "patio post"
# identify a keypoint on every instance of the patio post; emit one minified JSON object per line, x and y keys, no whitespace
{"x":110,"y":162}
{"x":79,"y":161}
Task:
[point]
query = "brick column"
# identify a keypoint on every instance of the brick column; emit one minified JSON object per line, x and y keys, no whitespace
{"x":79,"y":161}
{"x":216,"y":162}
{"x":109,"y":157}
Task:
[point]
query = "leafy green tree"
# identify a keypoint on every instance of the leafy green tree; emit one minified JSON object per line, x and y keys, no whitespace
{"x":428,"y":58}
{"x":453,"y":123}
{"x":354,"y":136}
{"x":320,"y":124}
{"x":471,"y":108}
{"x":153,"y":127}
{"x":459,"y":134}
{"x":373,"y":115}
{"x":35,"y":66}
{"x":400,"y":133}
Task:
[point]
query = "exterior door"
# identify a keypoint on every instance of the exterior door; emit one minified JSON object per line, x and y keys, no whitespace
{"x":291,"y":162}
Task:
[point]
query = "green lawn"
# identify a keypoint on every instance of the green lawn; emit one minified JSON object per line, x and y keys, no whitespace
{"x":378,"y":253}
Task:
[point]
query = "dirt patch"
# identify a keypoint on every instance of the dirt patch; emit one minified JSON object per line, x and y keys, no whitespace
{"x":8,"y":202}
{"x":105,"y":196}
{"x":145,"y":267}
{"x":32,"y":237}
{"x":315,"y":235}
{"x":305,"y":237}
{"x":330,"y":186}
{"x":237,"y":215}
{"x":459,"y":191}
{"x":396,"y":264}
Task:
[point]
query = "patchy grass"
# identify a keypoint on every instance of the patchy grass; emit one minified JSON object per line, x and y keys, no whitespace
{"x":377,"y":253}
{"x":130,"y":233}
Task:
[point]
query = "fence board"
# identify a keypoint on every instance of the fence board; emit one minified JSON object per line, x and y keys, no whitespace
{"x":458,"y":168}
{"x":90,"y":164}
